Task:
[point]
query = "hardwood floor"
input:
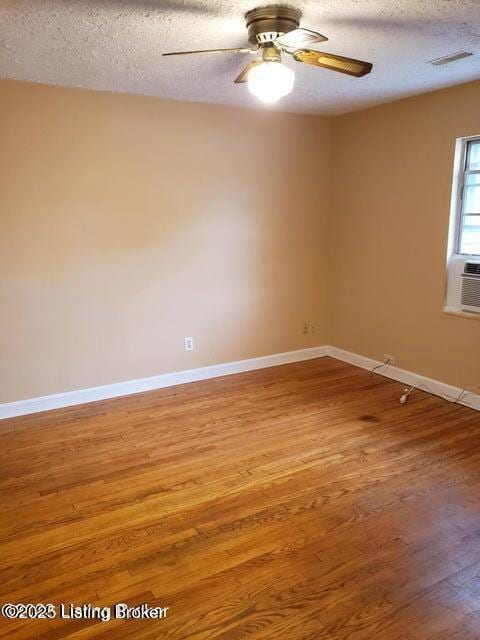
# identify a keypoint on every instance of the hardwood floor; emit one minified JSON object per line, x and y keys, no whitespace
{"x":299,"y":502}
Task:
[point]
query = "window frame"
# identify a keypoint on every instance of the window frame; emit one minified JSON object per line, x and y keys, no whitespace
{"x":458,"y":199}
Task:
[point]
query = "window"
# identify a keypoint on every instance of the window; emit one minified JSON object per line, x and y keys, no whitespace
{"x":468,"y":233}
{"x":463,"y":253}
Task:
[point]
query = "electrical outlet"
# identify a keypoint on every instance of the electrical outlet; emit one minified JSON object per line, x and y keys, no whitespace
{"x":189,"y":344}
{"x":387,"y":356}
{"x":308,"y":327}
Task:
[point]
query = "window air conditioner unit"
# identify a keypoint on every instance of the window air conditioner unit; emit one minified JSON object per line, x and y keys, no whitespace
{"x":463,"y":285}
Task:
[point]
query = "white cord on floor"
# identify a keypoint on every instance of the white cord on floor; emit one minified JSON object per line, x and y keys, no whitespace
{"x":420,"y":385}
{"x":379,"y":366}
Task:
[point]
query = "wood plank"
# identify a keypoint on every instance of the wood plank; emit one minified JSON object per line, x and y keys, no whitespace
{"x":300,"y":502}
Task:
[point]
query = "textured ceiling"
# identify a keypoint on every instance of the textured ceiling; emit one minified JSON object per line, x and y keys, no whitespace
{"x":116,"y":45}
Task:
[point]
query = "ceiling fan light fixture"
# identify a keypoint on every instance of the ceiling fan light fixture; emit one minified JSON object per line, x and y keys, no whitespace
{"x":270,"y":81}
{"x":275,"y":30}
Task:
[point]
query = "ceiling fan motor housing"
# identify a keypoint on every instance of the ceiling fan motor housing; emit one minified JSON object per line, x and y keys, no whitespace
{"x":264,"y":24}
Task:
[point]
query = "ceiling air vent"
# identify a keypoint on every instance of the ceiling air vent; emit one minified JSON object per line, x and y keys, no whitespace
{"x":453,"y":57}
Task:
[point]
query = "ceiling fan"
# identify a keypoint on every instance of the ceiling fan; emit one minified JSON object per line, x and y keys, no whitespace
{"x":275,"y":30}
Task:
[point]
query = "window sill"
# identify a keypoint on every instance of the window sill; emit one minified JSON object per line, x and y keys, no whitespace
{"x":461,"y":314}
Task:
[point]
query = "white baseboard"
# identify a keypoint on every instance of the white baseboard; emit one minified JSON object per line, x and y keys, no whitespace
{"x":409,"y":378}
{"x":82,"y":396}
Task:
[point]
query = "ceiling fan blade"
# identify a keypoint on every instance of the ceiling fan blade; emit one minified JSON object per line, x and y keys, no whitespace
{"x":233,"y":50}
{"x":299,"y":38}
{"x":350,"y":66}
{"x":242,"y":77}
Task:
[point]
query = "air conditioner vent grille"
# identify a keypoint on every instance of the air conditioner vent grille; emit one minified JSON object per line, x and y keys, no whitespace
{"x":471,"y":292}
{"x":472,"y":268}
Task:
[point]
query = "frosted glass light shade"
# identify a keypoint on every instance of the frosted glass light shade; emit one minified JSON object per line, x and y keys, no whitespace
{"x":270,"y":81}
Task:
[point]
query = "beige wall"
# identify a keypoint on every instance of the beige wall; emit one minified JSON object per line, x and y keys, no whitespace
{"x":388,"y":233}
{"x":127,"y":223}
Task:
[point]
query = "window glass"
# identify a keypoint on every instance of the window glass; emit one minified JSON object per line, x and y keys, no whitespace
{"x":469,"y":229}
{"x":473,"y":161}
